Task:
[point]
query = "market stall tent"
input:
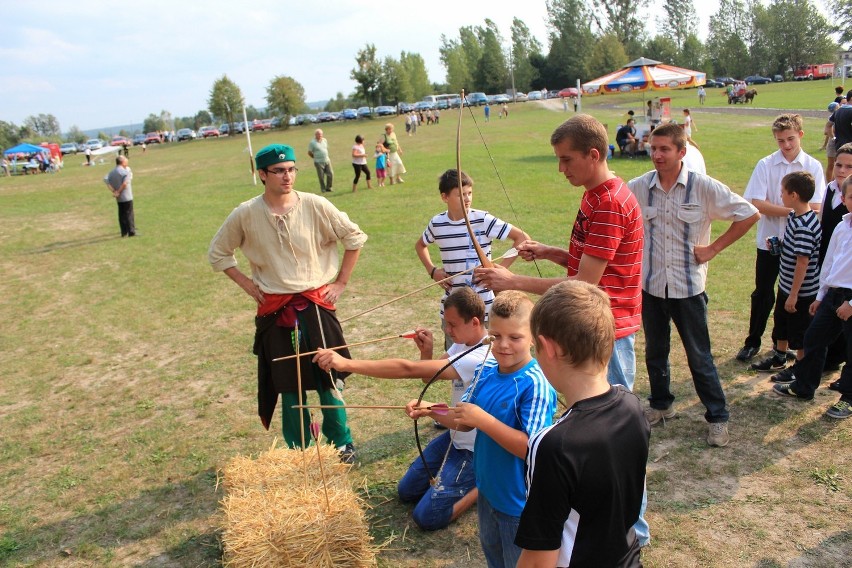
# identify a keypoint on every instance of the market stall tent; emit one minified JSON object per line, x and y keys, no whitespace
{"x":645,"y":75}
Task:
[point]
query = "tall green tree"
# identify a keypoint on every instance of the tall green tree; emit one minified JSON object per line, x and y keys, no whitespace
{"x":459,"y":75}
{"x":154,"y":123}
{"x":607,"y":55}
{"x":679,"y":21}
{"x":692,"y":54}
{"x":44,"y":125}
{"x":725,"y":45}
{"x":201,"y":118}
{"x":9,"y":135}
{"x":491,"y":72}
{"x":415,"y":70}
{"x":623,"y":19}
{"x":662,"y":48}
{"x":840,"y":17}
{"x":367,"y":73}
{"x":569,"y":25}
{"x":469,"y":42}
{"x":524,"y":46}
{"x":394,"y":86}
{"x":226,"y":100}
{"x":74,"y":134}
{"x":800,"y":32}
{"x":285,"y":96}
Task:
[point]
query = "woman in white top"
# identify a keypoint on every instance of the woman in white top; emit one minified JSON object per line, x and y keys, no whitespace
{"x":688,"y":125}
{"x":359,"y":162}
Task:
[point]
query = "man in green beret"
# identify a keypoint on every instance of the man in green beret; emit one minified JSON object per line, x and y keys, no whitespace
{"x":290,"y":240}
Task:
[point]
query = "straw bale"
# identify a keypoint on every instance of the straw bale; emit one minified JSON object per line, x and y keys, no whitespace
{"x":274,"y":518}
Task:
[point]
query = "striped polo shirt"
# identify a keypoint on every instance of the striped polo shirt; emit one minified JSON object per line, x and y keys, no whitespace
{"x":802,"y":237}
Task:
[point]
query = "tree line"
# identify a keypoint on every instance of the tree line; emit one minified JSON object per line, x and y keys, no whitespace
{"x":586,"y":39}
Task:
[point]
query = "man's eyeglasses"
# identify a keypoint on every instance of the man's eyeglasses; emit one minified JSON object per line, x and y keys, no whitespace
{"x":281,"y":171}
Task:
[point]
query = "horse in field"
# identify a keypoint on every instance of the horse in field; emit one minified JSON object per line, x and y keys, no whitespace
{"x":750,"y":94}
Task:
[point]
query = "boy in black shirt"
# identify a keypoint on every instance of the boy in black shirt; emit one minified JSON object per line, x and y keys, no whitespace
{"x":585,"y":474}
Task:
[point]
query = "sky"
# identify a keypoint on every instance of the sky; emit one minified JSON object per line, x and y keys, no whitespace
{"x":100,"y":64}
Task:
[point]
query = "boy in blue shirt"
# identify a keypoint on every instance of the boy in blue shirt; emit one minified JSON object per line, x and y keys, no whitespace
{"x":509,"y":402}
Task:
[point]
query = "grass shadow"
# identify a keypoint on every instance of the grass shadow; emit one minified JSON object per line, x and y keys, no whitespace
{"x":59,"y":245}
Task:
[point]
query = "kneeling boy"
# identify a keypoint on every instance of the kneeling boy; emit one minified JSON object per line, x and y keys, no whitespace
{"x":509,"y":402}
{"x":586,"y":473}
{"x":450,"y":455}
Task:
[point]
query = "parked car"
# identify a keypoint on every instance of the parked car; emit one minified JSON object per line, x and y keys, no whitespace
{"x":209,"y":132}
{"x":534,"y":96}
{"x":568,"y":92}
{"x":224,"y":129}
{"x":275,"y":122}
{"x":119,"y":141}
{"x":757,"y":80}
{"x":503,"y":98}
{"x":778,"y":79}
{"x":521,"y":97}
{"x":385,"y":111}
{"x":423,"y":105}
{"x":406,"y":107}
{"x":138,"y":140}
{"x":324,"y":117}
{"x":365,"y":112}
{"x":152,"y":138}
{"x":726,"y":80}
{"x":476,"y":99}
{"x":259,"y":125}
{"x":185,"y":134}
{"x":94,"y":144}
{"x":312,"y":118}
{"x":349,"y":114}
{"x":68,"y":148}
{"x":554,"y":94}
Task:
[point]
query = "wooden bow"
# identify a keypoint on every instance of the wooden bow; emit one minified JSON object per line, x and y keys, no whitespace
{"x":483,"y":258}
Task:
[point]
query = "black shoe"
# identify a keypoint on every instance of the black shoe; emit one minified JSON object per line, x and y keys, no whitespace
{"x":840,"y":410}
{"x":791,"y":354}
{"x":784,"y":377}
{"x":347,"y":454}
{"x":787,"y":390}
{"x":774,"y":362}
{"x":834,"y":385}
{"x":747,"y":353}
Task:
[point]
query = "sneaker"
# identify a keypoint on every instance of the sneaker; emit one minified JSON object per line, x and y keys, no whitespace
{"x":834,"y":385}
{"x":747,"y":353}
{"x":655,"y":416}
{"x":840,"y":410}
{"x":347,"y":453}
{"x":774,"y":362}
{"x":785,"y":377}
{"x":717,"y":435}
{"x":791,"y":354}
{"x":787,"y":390}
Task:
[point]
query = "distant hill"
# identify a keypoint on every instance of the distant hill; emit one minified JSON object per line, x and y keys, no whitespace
{"x":317,"y":105}
{"x":114,"y":130}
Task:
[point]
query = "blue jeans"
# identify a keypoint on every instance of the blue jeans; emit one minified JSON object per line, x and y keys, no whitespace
{"x":690,"y":318}
{"x":497,"y":535}
{"x":622,"y":363}
{"x":622,"y":371}
{"x":435,"y":503}
{"x":825,"y":328}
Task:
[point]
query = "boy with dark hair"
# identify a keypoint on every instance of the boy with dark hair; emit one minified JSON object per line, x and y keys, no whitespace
{"x":832,"y":313}
{"x":586,"y":473}
{"x":799,"y":271}
{"x":509,"y":403}
{"x":764,"y":192}
{"x":451,"y":453}
{"x":449,"y":231}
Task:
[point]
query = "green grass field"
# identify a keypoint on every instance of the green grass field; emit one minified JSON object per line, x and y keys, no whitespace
{"x":128,"y":379}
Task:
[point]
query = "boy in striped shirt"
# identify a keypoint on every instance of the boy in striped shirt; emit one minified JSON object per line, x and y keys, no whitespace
{"x":449,"y":231}
{"x":798,"y":280}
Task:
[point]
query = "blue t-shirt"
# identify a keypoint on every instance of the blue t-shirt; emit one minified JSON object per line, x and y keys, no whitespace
{"x":523,"y":400}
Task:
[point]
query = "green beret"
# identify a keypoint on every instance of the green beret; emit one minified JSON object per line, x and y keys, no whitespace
{"x":274,"y":154}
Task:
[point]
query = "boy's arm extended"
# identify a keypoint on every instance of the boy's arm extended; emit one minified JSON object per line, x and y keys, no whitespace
{"x":770,"y":209}
{"x":468,"y":416}
{"x":538,"y":558}
{"x":385,"y":368}
{"x":518,"y":236}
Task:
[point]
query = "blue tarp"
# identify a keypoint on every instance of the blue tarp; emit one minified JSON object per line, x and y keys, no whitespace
{"x":26,"y":149}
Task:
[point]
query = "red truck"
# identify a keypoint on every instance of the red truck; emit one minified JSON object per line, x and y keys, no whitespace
{"x":810,"y":72}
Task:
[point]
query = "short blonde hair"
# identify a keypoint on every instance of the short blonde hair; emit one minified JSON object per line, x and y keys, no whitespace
{"x":511,"y":303}
{"x":577,"y":316}
{"x":787,"y":121}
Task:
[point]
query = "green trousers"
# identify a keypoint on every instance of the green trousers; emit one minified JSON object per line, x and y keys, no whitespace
{"x":334,"y":425}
